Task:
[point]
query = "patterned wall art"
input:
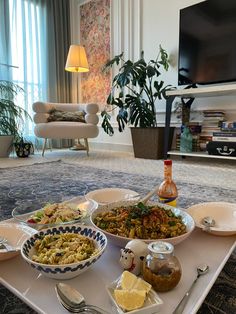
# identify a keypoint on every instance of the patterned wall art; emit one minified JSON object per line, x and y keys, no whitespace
{"x":95,"y":37}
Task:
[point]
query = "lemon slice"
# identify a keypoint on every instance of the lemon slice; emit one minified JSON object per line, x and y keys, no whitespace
{"x":128,"y":280}
{"x":130,"y":299}
{"x":140,"y":284}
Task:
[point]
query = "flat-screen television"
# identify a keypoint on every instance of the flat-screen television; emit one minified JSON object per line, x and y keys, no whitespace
{"x":207,"y":43}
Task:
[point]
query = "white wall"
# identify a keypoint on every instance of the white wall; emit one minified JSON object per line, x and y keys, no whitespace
{"x":143,"y":25}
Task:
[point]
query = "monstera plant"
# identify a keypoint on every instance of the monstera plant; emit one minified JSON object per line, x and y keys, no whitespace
{"x":11,"y":115}
{"x":135,"y":92}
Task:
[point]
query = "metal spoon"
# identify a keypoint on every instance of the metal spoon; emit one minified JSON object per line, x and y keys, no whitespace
{"x":149,"y":195}
{"x":6,"y":246}
{"x":201,"y":270}
{"x":73,"y":300}
{"x":208,"y":222}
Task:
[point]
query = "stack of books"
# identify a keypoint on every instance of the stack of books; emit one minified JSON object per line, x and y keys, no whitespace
{"x":211,"y":123}
{"x":227,"y":133}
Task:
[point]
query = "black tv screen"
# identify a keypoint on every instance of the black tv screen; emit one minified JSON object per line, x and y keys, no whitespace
{"x":207,"y":43}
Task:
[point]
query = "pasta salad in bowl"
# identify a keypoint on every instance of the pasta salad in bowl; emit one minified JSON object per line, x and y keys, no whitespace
{"x":64,"y":252}
{"x":127,"y":220}
{"x":53,"y":214}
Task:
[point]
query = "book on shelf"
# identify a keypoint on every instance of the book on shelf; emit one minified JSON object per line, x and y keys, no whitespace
{"x":228,"y":125}
{"x":215,"y":118}
{"x":225,"y":134}
{"x":223,"y":139}
{"x":213,"y":111}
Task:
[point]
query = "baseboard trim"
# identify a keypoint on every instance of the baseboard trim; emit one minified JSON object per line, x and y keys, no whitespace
{"x":110,"y":146}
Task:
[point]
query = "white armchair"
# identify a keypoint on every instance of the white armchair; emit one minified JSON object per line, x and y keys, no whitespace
{"x":65,"y":129}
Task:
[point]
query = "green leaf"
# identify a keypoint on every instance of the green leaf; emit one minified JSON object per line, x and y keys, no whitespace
{"x":141,"y":114}
{"x":150,"y":71}
{"x":122,"y":119}
{"x":106,"y":125}
{"x":164,"y":58}
{"x":110,"y":63}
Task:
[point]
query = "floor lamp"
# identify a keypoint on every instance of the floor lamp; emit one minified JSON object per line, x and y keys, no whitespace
{"x":77,"y":62}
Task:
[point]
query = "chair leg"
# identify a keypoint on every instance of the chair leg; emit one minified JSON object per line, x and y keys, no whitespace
{"x":86,"y":145}
{"x":50,"y":144}
{"x":44,"y":146}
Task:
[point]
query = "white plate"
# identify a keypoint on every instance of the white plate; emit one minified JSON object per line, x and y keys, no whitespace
{"x":152,"y":303}
{"x":15,"y":234}
{"x":24,"y":211}
{"x":110,"y":195}
{"x":223,"y":213}
{"x":122,"y":241}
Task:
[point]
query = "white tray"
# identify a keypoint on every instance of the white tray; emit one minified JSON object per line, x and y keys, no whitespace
{"x":39,"y":292}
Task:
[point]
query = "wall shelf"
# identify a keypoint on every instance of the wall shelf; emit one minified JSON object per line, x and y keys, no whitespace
{"x":207,"y":91}
{"x":199,"y":154}
{"x":222,"y":90}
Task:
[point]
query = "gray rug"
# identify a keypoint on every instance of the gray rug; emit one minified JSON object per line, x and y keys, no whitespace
{"x":57,"y":181}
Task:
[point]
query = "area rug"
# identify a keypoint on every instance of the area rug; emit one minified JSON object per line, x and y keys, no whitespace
{"x":57,"y":181}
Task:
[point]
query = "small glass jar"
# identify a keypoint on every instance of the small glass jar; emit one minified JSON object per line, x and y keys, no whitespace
{"x":161,"y":268}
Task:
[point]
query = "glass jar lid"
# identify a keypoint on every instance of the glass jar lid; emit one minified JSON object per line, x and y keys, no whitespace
{"x":161,"y":249}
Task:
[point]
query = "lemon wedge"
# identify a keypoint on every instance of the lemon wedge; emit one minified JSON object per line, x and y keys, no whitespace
{"x":141,"y":284}
{"x":128,"y":280}
{"x":130,"y":299}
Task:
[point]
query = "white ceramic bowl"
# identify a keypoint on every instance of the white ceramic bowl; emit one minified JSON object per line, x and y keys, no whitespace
{"x":69,"y":270}
{"x":111,"y":195}
{"x":23,"y":212}
{"x":223,"y":213}
{"x":15,"y":234}
{"x":122,"y":241}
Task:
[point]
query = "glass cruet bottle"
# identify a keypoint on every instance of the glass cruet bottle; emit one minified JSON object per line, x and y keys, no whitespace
{"x":161,"y":268}
{"x":167,"y":191}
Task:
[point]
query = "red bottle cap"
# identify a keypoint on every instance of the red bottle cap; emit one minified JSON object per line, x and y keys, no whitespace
{"x":168,"y":162}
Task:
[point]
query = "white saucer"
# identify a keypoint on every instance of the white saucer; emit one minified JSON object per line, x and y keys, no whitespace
{"x":223,"y":213}
{"x":15,"y":234}
{"x":111,"y":195}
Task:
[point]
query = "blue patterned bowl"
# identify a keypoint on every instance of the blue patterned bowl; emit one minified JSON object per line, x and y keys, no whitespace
{"x":66,"y":271}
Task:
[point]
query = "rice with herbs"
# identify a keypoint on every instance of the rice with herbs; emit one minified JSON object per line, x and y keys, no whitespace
{"x":141,"y":222}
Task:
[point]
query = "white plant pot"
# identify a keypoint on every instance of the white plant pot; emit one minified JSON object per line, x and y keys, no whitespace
{"x":5,"y":145}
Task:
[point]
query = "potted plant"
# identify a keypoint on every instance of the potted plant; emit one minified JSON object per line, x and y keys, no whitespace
{"x":11,"y":116}
{"x":135,"y":91}
{"x":23,"y":147}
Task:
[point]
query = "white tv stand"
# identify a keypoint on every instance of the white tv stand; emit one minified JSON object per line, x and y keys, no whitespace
{"x":210,"y":91}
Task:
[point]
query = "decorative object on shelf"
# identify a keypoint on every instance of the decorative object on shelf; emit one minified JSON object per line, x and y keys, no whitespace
{"x":134,"y":92}
{"x":132,"y":256}
{"x":11,"y":116}
{"x":186,"y":141}
{"x":221,"y":148}
{"x":183,"y":108}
